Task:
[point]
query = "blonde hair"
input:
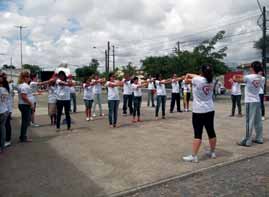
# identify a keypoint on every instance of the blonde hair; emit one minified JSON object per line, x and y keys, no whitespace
{"x":22,"y":76}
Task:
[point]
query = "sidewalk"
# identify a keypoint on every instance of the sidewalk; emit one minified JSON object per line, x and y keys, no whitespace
{"x":93,"y":160}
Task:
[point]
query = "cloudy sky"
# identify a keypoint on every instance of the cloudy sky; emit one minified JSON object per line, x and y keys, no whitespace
{"x":75,"y":31}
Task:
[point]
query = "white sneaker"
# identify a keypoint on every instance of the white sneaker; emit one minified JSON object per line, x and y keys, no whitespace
{"x":91,"y":118}
{"x":263,"y":118}
{"x":7,"y":144}
{"x":88,"y":119}
{"x":211,"y":155}
{"x":190,"y":158}
{"x":94,"y":115}
{"x":35,"y":125}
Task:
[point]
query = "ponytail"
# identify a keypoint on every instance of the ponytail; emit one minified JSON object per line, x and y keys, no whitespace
{"x":207,"y":72}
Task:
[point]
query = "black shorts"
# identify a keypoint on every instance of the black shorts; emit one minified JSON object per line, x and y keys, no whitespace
{"x":187,"y":96}
{"x":199,"y":121}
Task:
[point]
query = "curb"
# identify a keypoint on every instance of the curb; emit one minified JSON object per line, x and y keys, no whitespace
{"x":183,"y":176}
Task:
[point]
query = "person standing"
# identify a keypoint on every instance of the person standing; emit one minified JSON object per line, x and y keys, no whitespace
{"x":151,"y":91}
{"x":98,"y":95}
{"x":175,"y":96}
{"x":113,"y":99}
{"x":52,"y":99}
{"x":26,"y":104}
{"x":261,"y":93}
{"x":127,"y":95}
{"x":63,"y":99}
{"x":3,"y":112}
{"x":73,"y":95}
{"x":161,"y":95}
{"x":136,"y":86}
{"x":236,"y":97}
{"x":253,"y":83}
{"x":186,"y":95}
{"x":88,"y":97}
{"x":203,"y":112}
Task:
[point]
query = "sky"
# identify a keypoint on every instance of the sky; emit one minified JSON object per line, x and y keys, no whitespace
{"x":75,"y":31}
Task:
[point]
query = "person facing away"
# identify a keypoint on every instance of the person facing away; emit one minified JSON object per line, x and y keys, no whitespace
{"x":151,"y":91}
{"x":203,"y":111}
{"x":253,"y":83}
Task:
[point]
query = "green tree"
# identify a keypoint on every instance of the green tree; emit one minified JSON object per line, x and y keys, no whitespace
{"x":87,"y":71}
{"x":189,"y":61}
{"x":259,"y":44}
{"x":33,"y":68}
{"x":129,"y":69}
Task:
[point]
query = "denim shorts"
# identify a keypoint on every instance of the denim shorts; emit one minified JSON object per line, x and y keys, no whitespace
{"x":88,"y":103}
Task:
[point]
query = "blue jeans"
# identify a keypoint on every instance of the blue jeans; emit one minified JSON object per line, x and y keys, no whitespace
{"x":98,"y":100}
{"x":3,"y":118}
{"x":113,"y":106}
{"x":25,"y":120}
{"x":161,"y":100}
{"x":137,"y":105}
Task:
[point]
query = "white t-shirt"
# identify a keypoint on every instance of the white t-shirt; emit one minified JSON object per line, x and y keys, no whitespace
{"x":202,"y":95}
{"x":236,"y":89}
{"x":24,"y":88}
{"x":252,"y":88}
{"x":72,"y":90}
{"x":52,"y":96}
{"x":63,"y":92}
{"x":88,"y":92}
{"x":137,"y":90}
{"x":3,"y":100}
{"x":97,"y":88}
{"x":113,"y":93}
{"x":34,"y":88}
{"x":150,"y":84}
{"x":161,"y":91}
{"x":127,"y":87}
{"x":262,"y":85}
{"x":186,"y":87}
{"x":175,"y":86}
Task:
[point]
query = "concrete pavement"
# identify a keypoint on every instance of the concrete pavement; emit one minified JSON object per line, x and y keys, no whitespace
{"x":94,"y":160}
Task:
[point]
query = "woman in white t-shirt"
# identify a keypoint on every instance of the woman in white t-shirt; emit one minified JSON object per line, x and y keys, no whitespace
{"x":113,"y":99}
{"x":151,"y":91}
{"x":253,"y":83}
{"x":161,"y":95}
{"x":26,"y":104}
{"x":136,"y":87}
{"x":97,"y":90}
{"x":52,"y":99}
{"x":236,"y":97}
{"x":175,"y":96}
{"x":186,"y":95}
{"x":63,"y":99}
{"x":203,"y":111}
{"x":3,"y":113}
{"x":88,"y":97}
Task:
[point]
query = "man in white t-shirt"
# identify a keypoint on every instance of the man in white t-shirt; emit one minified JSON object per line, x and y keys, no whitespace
{"x":236,"y":97}
{"x":253,"y":83}
{"x":151,"y":91}
{"x":175,"y":96}
{"x":127,"y":95}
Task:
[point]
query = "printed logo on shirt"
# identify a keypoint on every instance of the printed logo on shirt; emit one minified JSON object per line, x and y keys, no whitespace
{"x":207,"y":89}
{"x":256,"y":83}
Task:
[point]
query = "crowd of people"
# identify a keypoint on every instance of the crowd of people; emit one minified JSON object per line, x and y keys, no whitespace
{"x":61,"y":90}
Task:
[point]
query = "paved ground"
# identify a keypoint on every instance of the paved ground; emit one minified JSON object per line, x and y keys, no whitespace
{"x":94,"y":160}
{"x":245,"y":178}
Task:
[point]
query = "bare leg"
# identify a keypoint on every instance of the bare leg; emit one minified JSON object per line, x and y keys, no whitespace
{"x":195,"y":146}
{"x":212,"y":143}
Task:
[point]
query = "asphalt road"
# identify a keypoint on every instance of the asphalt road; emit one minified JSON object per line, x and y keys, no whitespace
{"x":245,"y":178}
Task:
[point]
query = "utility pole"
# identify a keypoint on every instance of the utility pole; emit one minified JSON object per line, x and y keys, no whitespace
{"x":113,"y":50}
{"x":106,"y":61}
{"x":264,"y":59}
{"x":108,"y":54}
{"x":178,"y":47}
{"x":21,"y":27}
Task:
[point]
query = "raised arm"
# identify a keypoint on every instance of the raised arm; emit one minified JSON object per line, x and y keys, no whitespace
{"x":238,"y":78}
{"x":189,"y":77}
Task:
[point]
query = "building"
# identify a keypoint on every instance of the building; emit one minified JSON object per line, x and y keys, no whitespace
{"x":13,"y":74}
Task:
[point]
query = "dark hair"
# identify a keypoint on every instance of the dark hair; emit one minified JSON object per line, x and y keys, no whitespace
{"x":110,"y":75}
{"x":62,"y":73}
{"x":158,"y":76}
{"x":6,"y":84}
{"x":207,"y":72}
{"x":32,"y":76}
{"x":135,"y":78}
{"x":256,"y":66}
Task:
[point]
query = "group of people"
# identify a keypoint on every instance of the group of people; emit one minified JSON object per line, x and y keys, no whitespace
{"x":202,"y":86}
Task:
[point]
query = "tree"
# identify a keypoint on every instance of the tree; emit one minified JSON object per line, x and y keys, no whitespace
{"x":259,"y":44}
{"x":33,"y":68}
{"x":129,"y":69}
{"x":87,"y":71}
{"x":5,"y":66}
{"x":189,"y":61}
